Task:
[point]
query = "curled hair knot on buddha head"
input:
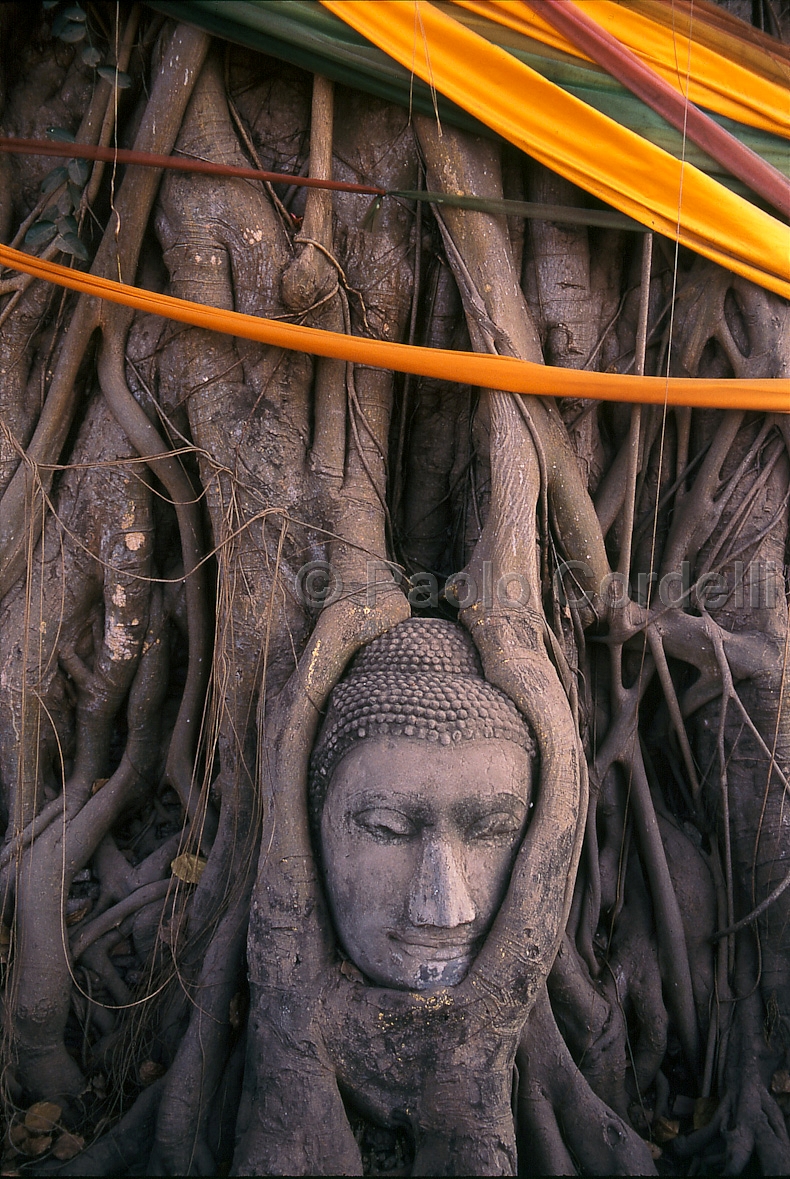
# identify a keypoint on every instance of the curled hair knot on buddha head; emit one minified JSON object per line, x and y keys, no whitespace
{"x":422,"y":680}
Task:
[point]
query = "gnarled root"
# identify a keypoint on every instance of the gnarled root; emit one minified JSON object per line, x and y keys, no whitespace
{"x":560,"y":1118}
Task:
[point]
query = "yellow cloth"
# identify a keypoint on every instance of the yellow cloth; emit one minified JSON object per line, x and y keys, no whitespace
{"x":588,"y":148}
{"x":719,"y":82}
{"x":722,"y":32}
{"x":475,"y":368}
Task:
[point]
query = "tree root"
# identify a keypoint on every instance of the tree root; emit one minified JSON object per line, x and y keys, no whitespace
{"x":116,"y":255}
{"x":562,"y":1118}
{"x":150,"y":446}
{"x":126,"y":1146}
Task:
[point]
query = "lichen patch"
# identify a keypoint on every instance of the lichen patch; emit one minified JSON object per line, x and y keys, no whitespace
{"x":119,"y":642}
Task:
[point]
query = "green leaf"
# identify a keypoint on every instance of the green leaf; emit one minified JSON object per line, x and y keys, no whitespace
{"x":75,"y":13}
{"x":90,"y":55}
{"x":79,"y":171}
{"x":69,"y":243}
{"x":40,"y":233}
{"x":75,"y":194}
{"x":71,"y":33}
{"x":61,"y":134}
{"x":67,"y":224}
{"x":51,"y":213}
{"x":53,"y":179}
{"x":114,"y":77}
{"x":371,"y":216}
{"x":65,"y":203}
{"x":50,"y":4}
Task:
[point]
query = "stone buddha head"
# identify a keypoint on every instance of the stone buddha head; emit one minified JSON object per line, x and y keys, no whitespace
{"x":420,"y":791}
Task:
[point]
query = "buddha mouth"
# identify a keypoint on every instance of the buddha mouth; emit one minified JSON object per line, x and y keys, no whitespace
{"x":439,"y":945}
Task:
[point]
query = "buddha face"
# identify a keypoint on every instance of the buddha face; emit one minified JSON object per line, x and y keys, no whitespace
{"x":418,"y":842}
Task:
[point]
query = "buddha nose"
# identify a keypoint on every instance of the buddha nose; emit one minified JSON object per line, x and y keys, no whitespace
{"x":440,"y":895}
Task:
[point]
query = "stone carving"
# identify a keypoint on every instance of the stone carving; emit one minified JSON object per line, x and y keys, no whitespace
{"x":420,"y":787}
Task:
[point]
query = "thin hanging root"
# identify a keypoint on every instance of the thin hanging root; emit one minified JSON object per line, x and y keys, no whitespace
{"x":636,"y":411}
{"x":586,"y":908}
{"x":91,"y":190}
{"x":622,"y":747}
{"x":727,"y":688}
{"x":673,"y":704}
{"x":756,"y":912}
{"x":744,"y":509}
{"x":729,"y":693}
{"x":698,"y":512}
{"x":773,"y":767}
{"x":671,"y":935}
{"x":754,"y":541}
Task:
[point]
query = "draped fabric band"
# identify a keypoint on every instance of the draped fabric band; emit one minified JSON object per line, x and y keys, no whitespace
{"x":748,"y":87}
{"x":669,"y":100}
{"x":305,"y":34}
{"x":474,"y":368}
{"x":570,"y":137}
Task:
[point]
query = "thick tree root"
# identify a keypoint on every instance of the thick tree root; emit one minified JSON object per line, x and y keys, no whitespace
{"x":561,"y":1119}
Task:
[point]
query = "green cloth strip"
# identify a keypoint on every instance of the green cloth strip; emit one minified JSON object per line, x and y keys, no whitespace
{"x":601,"y":218}
{"x":306,"y":35}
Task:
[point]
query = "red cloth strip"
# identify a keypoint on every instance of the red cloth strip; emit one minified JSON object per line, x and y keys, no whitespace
{"x":111,"y":155}
{"x":626,"y":67}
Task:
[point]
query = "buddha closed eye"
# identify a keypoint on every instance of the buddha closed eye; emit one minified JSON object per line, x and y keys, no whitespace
{"x":419,"y":811}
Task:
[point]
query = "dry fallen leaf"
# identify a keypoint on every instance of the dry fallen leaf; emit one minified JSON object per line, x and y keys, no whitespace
{"x":17,"y":1136}
{"x":188,"y":867}
{"x":5,"y":943}
{"x":237,"y":1010}
{"x":683,"y":1106}
{"x":169,"y":932}
{"x":655,"y":1150}
{"x":38,"y":1144}
{"x":780,"y":1081}
{"x":79,"y":911}
{"x":664,"y":1129}
{"x":349,"y":970}
{"x":704,"y":1109}
{"x":67,"y":1146}
{"x":150,"y":1071}
{"x":42,"y":1117}
{"x":97,"y":785}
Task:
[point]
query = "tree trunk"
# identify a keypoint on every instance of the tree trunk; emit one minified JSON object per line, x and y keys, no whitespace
{"x":198,"y":534}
